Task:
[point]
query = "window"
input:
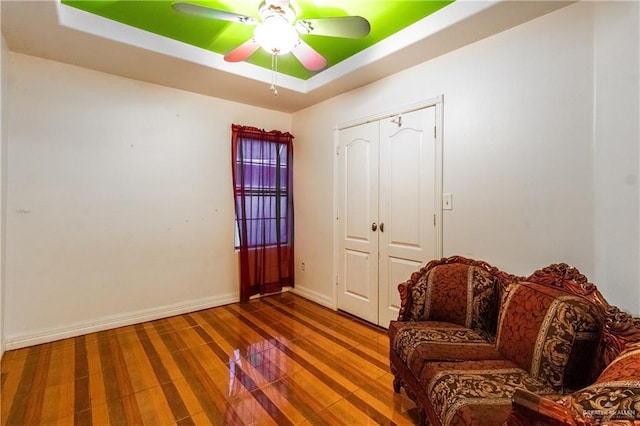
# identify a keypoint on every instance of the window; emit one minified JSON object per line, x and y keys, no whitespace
{"x":262,"y":179}
{"x":261,"y":184}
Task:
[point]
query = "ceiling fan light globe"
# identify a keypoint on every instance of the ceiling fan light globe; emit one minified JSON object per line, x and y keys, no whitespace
{"x":276,"y":35}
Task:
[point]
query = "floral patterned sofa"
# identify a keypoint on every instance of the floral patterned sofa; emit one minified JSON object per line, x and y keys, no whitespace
{"x":477,"y":346}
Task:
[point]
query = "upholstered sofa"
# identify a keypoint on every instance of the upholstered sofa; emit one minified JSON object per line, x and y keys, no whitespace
{"x":474,"y":345}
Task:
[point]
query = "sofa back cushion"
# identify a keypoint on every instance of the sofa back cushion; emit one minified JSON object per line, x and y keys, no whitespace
{"x":539,"y":326}
{"x":457,"y":293}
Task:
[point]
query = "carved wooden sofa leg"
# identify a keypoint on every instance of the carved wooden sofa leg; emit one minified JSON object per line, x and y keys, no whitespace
{"x":397,"y":381}
{"x":397,"y":384}
{"x":422,"y":419}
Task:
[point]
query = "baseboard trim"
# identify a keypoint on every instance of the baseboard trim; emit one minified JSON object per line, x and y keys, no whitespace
{"x":319,"y":298}
{"x":113,"y":321}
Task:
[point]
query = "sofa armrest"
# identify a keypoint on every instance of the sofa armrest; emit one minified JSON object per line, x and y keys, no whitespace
{"x":530,"y":409}
{"x":405,"y":299}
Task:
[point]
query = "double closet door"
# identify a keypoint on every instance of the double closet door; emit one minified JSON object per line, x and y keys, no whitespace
{"x":386,"y":210}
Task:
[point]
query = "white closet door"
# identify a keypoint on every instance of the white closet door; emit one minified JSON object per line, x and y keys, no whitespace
{"x":357,"y":211}
{"x":407,"y":237}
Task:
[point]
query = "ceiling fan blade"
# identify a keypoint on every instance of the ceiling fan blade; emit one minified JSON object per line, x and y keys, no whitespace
{"x":343,"y":26}
{"x":207,"y":12}
{"x":308,"y":57}
{"x":242,"y":52}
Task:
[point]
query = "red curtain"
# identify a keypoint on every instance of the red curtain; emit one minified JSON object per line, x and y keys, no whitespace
{"x":263,"y":188}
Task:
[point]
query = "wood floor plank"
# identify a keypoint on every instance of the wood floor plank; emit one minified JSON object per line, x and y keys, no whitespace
{"x":12,"y":378}
{"x":82,"y":388}
{"x":277,"y":360}
{"x":97,"y":390}
{"x":58,"y":398}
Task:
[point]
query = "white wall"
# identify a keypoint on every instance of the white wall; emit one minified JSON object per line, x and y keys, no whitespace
{"x":120,"y":204}
{"x":3,"y":182}
{"x":616,"y":151}
{"x":518,"y":153}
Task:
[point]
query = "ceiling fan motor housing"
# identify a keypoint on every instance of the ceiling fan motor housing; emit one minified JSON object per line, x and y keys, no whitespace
{"x":276,"y":35}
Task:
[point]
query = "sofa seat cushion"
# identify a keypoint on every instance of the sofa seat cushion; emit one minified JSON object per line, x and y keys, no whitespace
{"x":538,"y":327}
{"x":476,"y":392}
{"x":457,"y":293}
{"x":417,"y":342}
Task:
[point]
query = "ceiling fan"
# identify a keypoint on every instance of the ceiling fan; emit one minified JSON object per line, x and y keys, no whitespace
{"x":278,"y":31}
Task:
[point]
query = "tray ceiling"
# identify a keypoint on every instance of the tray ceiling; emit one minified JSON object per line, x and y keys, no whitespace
{"x":158,"y":17}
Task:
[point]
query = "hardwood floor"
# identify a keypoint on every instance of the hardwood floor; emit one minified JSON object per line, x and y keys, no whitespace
{"x":277,"y":360}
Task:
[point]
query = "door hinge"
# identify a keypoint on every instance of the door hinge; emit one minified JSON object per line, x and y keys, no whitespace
{"x":434,"y":220}
{"x":337,"y":150}
{"x":434,"y":131}
{"x":336,"y":280}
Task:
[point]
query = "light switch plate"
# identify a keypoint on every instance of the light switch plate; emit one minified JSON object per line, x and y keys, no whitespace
{"x":447,"y":201}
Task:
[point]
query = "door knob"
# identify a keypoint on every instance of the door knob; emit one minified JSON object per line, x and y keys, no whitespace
{"x":382,"y":227}
{"x":374,"y":227}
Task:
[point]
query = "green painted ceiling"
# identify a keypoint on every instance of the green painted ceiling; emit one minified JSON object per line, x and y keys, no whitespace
{"x":385,"y":16}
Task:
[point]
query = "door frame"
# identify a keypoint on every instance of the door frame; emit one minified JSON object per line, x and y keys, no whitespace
{"x":438,"y":103}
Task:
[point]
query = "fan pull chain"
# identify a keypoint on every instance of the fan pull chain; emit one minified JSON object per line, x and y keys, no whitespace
{"x":274,"y":73}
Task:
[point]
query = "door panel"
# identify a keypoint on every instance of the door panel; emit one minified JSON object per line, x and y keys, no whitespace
{"x":358,"y":282}
{"x":407,"y":203}
{"x":402,"y":174}
{"x":359,"y":186}
{"x":357,"y":209}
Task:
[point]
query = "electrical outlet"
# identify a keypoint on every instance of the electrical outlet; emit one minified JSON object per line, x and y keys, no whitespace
{"x":447,"y":201}
{"x":302,"y":266}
